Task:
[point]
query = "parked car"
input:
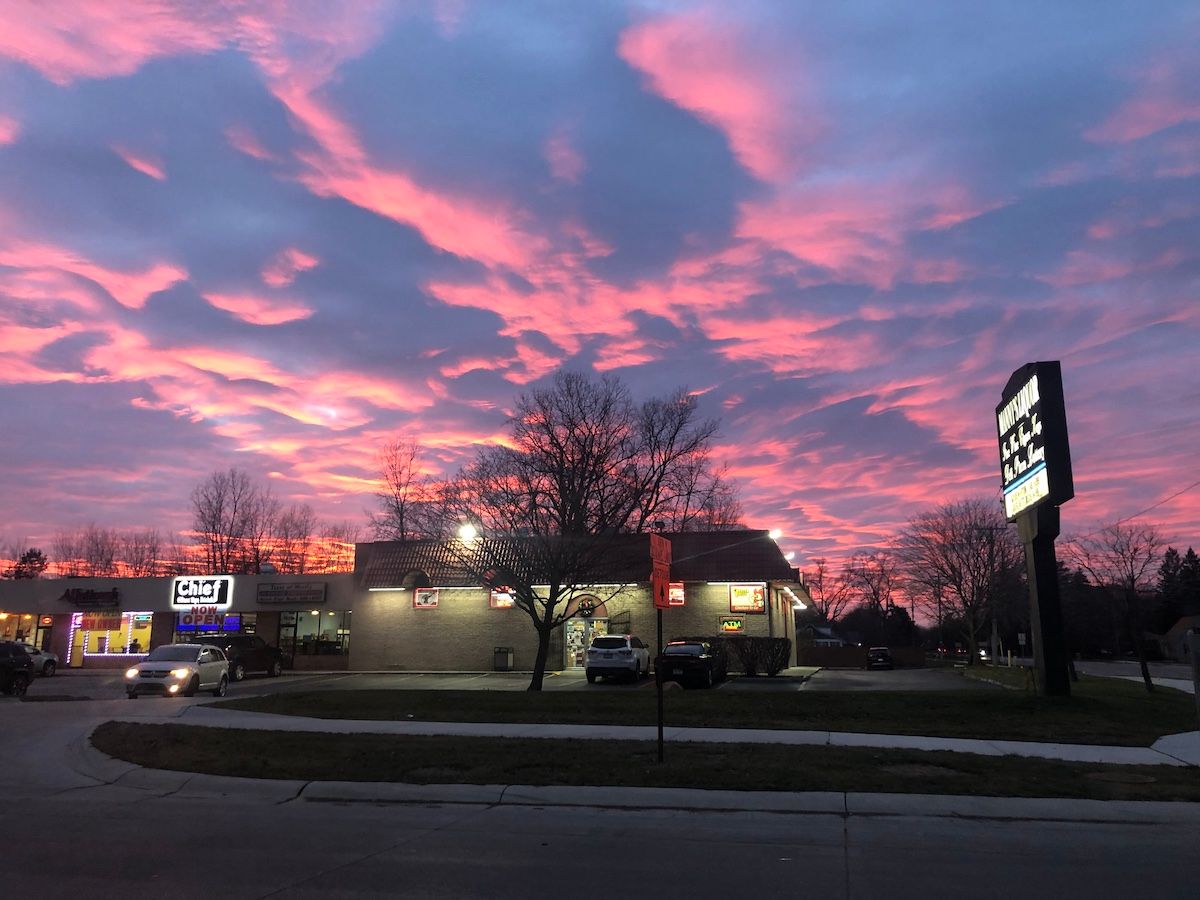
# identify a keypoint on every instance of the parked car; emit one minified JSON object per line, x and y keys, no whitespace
{"x":693,"y":662}
{"x":174,"y":669}
{"x":616,"y":654}
{"x":44,"y":662}
{"x":879,"y":658}
{"x":16,"y":669}
{"x":246,"y":653}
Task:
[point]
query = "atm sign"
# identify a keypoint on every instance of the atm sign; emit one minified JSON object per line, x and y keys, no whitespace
{"x":731,"y":625}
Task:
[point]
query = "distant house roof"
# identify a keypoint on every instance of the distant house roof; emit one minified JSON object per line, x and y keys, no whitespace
{"x":1183,"y":624}
{"x":625,"y":559}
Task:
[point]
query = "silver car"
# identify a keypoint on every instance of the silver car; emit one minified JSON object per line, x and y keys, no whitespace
{"x":174,"y":669}
{"x":44,"y":662}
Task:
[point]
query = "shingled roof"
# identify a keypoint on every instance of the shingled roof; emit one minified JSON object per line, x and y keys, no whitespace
{"x":695,"y":556}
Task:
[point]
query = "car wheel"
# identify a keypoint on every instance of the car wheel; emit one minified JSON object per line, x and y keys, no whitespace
{"x":20,"y":684}
{"x":239,"y":672}
{"x":48,"y":668}
{"x":591,"y":677}
{"x":637,"y":671}
{"x":276,"y":669}
{"x":132,"y":695}
{"x":708,"y":679}
{"x":193,"y":686}
{"x":222,"y":687}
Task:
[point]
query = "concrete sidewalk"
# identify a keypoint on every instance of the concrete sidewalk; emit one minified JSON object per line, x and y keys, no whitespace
{"x":1173,"y":750}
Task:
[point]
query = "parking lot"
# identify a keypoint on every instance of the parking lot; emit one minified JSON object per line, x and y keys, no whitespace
{"x":77,"y":685}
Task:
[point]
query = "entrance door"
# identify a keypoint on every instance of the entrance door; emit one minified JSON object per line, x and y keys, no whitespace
{"x":287,"y":639}
{"x":578,"y":637}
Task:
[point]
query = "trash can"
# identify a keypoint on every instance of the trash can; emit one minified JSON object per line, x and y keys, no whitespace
{"x":503,"y":657}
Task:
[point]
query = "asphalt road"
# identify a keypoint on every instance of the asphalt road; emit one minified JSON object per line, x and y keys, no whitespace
{"x":69,"y":835}
{"x":104,"y":843}
{"x":894,"y":680}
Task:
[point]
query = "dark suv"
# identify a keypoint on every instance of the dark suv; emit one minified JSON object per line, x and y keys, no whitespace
{"x":246,"y":652}
{"x":16,"y":669}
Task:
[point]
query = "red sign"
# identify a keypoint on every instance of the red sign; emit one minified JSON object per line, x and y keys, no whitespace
{"x":101,"y":621}
{"x":660,"y":572}
{"x":201,"y":615}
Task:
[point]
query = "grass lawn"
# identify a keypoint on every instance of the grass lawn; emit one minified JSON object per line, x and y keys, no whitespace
{"x":458,"y":760}
{"x":1100,"y":710}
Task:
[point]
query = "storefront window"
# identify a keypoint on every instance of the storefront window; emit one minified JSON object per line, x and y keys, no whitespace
{"x":186,"y":628}
{"x":16,"y":626}
{"x":108,"y":634}
{"x":321,"y":632}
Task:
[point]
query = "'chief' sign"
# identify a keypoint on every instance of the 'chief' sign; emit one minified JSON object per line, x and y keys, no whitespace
{"x":1031,"y":425}
{"x":191,"y":591}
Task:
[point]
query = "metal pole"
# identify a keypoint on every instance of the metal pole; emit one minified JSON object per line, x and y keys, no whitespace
{"x":1193,"y":640}
{"x":658,"y":685}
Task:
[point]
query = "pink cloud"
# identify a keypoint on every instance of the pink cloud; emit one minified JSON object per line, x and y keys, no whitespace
{"x":730,"y":79}
{"x":1164,"y":96}
{"x":130,"y":288}
{"x":9,"y":129}
{"x":142,"y":163}
{"x":258,"y":310}
{"x":67,"y":40}
{"x":566,"y":163}
{"x":287,"y":264}
{"x":244,"y":141}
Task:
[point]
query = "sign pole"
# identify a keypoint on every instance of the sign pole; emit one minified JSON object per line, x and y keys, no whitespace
{"x":658,"y":685}
{"x":1038,"y":528}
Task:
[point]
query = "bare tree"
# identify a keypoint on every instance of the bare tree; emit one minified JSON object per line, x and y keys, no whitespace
{"x":406,"y":496}
{"x":141,"y":551}
{"x":100,"y":549}
{"x":831,"y":594}
{"x":68,"y":551}
{"x":1121,"y":560}
{"x":962,"y":554}
{"x":871,"y":579}
{"x":232,"y":522}
{"x":583,"y":462}
{"x":294,"y":533}
{"x":333,"y":549}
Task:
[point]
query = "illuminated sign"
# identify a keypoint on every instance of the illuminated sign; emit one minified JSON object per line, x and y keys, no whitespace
{"x":109,"y":620}
{"x":501,"y":598}
{"x":190,"y":591}
{"x":1031,"y":426}
{"x":748,"y":598}
{"x":425,"y":598}
{"x":675,"y":594}
{"x":731,"y":625}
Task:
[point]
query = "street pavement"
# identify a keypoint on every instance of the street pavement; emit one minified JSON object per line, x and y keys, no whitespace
{"x":104,"y":828}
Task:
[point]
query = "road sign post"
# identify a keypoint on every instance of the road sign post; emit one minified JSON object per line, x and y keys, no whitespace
{"x":660,"y":588}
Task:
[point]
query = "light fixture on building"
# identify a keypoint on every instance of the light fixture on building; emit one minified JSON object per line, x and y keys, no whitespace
{"x":775,"y":534}
{"x":790,"y":555}
{"x":467,"y":532}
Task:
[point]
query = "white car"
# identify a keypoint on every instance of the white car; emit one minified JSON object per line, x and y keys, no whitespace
{"x":616,"y":654}
{"x":44,"y":662}
{"x":174,"y":669}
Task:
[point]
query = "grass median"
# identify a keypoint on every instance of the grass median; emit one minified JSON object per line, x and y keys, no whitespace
{"x":1100,"y":710}
{"x":747,"y":767}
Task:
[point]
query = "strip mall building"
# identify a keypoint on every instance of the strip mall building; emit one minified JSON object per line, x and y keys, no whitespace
{"x":408,"y":607}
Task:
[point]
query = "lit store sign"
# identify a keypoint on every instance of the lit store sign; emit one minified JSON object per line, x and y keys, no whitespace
{"x":191,"y":591}
{"x":1031,"y":425}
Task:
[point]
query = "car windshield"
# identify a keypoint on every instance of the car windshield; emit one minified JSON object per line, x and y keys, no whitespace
{"x":683,"y":650}
{"x":172,"y":652}
{"x":609,"y":643}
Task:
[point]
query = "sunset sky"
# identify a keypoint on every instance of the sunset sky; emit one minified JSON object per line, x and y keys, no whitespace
{"x":273,"y":235}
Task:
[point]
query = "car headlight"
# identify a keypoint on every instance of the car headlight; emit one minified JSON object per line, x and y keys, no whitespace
{"x":180,"y":673}
{"x":131,"y":673}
